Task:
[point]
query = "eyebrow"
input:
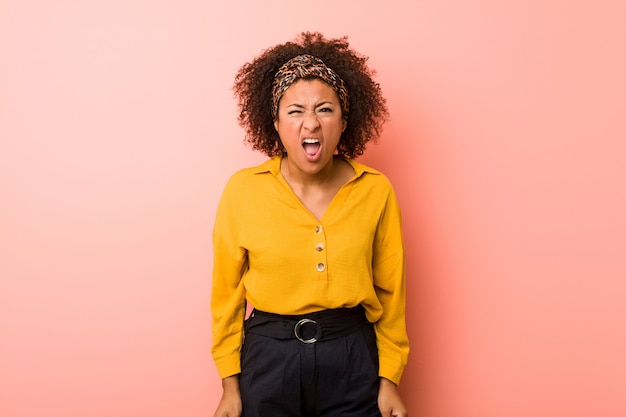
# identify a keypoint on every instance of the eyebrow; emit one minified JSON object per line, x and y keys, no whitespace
{"x":323,"y":103}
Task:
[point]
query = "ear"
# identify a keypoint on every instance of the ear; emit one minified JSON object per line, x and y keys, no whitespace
{"x":276,"y":125}
{"x":345,"y":125}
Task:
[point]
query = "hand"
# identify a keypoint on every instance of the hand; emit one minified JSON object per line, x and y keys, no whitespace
{"x":389,"y":401}
{"x":230,"y":404}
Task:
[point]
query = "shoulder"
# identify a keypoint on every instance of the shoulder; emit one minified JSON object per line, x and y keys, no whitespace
{"x":251,"y":176}
{"x":369,"y":175}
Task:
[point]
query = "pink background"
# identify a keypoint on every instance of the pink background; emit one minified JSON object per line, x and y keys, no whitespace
{"x":507,"y":146}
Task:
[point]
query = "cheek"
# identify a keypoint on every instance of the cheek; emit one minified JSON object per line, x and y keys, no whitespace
{"x":334,"y":126}
{"x":288,"y":132}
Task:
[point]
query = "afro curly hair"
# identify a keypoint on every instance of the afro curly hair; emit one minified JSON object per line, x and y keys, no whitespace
{"x":253,"y":89}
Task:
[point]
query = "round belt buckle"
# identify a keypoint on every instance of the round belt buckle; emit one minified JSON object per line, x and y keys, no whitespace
{"x":296,"y":331}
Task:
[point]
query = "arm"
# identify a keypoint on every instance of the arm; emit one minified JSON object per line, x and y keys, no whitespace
{"x":230,"y":404}
{"x":228,"y":292}
{"x":389,"y":284}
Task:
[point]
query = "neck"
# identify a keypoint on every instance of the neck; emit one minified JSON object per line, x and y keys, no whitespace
{"x":300,"y":178}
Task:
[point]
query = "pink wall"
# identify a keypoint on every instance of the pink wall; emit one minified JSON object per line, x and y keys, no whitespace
{"x":507,"y":147}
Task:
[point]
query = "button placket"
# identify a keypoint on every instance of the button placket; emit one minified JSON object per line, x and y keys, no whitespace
{"x":320,"y":246}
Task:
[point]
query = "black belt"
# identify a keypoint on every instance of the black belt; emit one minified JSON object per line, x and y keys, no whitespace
{"x":307,"y":328}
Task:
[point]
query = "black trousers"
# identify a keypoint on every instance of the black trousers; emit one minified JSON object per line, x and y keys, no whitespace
{"x":328,"y":378}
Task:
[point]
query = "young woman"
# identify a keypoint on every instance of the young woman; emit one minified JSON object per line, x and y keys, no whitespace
{"x":311,"y":239}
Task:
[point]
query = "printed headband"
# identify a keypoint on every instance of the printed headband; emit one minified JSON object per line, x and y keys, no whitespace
{"x":307,"y":66}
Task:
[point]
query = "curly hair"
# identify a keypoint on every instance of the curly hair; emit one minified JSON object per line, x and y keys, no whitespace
{"x":253,"y":89}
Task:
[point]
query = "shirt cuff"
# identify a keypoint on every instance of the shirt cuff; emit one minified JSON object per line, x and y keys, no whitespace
{"x":228,"y":365}
{"x":390,"y":369}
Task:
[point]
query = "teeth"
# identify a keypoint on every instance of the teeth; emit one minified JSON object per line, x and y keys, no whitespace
{"x":311,"y":140}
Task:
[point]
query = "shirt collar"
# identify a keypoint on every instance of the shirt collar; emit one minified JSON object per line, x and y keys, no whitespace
{"x":273,"y":166}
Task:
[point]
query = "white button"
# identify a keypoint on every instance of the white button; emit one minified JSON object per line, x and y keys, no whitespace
{"x":319,"y":247}
{"x":321,"y":267}
{"x":318,"y":229}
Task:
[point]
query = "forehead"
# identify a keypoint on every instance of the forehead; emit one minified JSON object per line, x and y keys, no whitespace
{"x":310,"y":90}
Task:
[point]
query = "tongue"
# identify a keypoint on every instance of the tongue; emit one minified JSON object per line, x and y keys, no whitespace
{"x":311,"y":148}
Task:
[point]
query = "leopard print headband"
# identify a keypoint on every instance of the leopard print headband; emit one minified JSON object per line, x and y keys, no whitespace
{"x":307,"y":66}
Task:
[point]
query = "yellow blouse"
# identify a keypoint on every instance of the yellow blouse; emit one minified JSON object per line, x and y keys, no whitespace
{"x":270,"y":250}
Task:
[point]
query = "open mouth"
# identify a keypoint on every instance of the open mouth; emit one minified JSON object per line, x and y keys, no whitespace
{"x":311,"y":146}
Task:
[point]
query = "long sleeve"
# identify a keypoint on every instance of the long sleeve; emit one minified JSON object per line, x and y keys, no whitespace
{"x":388,"y":268}
{"x":228,"y":293}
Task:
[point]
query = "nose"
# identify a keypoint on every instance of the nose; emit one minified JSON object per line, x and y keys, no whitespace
{"x":311,"y":122}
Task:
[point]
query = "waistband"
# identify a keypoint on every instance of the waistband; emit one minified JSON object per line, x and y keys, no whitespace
{"x":307,"y":328}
